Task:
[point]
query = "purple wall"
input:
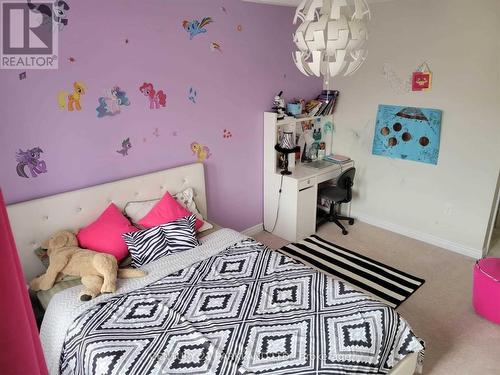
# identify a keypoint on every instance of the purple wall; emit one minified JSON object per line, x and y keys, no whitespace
{"x":234,"y":87}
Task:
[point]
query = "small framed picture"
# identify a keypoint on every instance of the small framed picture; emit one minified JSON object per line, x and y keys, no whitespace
{"x":421,"y":81}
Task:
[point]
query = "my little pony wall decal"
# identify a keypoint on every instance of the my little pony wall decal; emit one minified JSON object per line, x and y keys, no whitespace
{"x":110,"y":103}
{"x":193,"y":94}
{"x":201,"y":152}
{"x":72,"y":101}
{"x":31,"y":159}
{"x":317,"y":134}
{"x":126,"y":145}
{"x":56,"y":13}
{"x":328,"y":127}
{"x":195,"y":27}
{"x":156,"y":99}
{"x":216,"y":47}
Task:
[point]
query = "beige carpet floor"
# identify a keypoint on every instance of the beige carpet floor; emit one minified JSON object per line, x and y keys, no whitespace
{"x":458,"y":341}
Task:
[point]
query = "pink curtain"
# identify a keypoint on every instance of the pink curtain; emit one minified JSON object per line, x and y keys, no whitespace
{"x":20,"y":349}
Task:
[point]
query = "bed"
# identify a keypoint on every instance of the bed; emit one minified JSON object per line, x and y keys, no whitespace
{"x":230,"y":305}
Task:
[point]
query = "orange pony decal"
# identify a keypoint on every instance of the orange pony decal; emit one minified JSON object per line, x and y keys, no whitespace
{"x":72,"y":101}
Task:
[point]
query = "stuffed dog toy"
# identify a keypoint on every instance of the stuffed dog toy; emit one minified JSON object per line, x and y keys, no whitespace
{"x":98,"y":271}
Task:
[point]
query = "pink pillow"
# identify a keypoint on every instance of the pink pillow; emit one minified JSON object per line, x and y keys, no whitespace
{"x":105,"y":233}
{"x":166,"y":211}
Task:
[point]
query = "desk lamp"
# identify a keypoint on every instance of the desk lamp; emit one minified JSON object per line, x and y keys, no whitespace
{"x":286,"y":146}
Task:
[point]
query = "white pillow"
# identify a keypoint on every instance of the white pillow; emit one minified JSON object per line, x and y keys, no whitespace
{"x":186,"y":199}
{"x":137,"y":210}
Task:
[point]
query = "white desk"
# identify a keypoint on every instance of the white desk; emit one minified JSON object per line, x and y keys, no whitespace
{"x":297,"y":204}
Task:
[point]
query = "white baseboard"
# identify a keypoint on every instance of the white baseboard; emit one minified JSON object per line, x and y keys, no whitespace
{"x":421,"y":236}
{"x":253,"y":230}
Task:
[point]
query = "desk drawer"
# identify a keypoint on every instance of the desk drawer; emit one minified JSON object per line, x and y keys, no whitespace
{"x":308,"y":182}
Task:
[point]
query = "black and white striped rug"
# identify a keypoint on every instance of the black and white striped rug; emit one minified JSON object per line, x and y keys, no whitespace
{"x":386,"y":283}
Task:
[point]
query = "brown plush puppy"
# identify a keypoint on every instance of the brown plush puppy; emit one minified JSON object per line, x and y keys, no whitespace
{"x":97,"y":270}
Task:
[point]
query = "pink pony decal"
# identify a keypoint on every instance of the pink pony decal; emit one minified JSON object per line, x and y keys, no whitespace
{"x":156,"y":99}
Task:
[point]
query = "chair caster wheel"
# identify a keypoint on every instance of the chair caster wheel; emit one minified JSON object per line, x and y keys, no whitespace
{"x":344,"y":232}
{"x":351,"y":221}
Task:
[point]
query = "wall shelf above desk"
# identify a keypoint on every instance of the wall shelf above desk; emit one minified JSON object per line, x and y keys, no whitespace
{"x":273,"y":128}
{"x":293,"y":120}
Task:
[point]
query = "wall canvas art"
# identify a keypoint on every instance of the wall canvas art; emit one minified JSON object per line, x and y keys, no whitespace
{"x":407,"y":133}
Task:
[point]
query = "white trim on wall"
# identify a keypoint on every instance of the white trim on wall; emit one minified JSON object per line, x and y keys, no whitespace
{"x":396,"y":228}
{"x":252,"y":231}
{"x":421,"y":236}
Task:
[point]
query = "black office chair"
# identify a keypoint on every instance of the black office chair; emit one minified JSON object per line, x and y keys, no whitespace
{"x":338,"y":194}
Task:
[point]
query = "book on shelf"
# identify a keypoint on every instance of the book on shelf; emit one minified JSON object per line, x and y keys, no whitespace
{"x":315,"y":110}
{"x":328,"y":108}
{"x":328,"y":95}
{"x":329,"y":99}
{"x":323,"y":105}
{"x":321,"y":110}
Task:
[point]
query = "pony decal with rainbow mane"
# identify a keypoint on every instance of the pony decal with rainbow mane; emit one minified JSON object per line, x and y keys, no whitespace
{"x":195,"y":27}
{"x":72,"y":101}
{"x":156,"y":99}
{"x":110,"y":103}
{"x":31,"y":159}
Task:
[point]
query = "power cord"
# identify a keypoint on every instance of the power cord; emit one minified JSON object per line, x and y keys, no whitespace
{"x":279,"y":202}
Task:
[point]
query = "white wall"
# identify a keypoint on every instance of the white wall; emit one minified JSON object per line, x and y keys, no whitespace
{"x":460,"y":40}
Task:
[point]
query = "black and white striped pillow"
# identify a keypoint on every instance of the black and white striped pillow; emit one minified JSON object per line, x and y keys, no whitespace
{"x":148,"y":245}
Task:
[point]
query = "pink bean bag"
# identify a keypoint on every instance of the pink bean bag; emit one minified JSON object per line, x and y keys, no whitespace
{"x":486,"y":290}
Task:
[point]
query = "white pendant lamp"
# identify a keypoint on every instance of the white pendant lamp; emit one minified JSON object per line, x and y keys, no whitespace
{"x":332,"y":37}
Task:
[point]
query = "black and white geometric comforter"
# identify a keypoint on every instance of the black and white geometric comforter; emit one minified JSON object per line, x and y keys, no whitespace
{"x":247,"y":309}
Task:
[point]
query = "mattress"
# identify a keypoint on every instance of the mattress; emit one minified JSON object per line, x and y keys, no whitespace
{"x":228,"y":306}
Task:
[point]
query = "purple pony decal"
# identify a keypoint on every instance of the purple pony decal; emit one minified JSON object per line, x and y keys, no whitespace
{"x":126,"y":145}
{"x":31,"y":159}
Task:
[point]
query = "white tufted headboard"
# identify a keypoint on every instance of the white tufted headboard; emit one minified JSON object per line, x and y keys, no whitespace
{"x":34,"y":221}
